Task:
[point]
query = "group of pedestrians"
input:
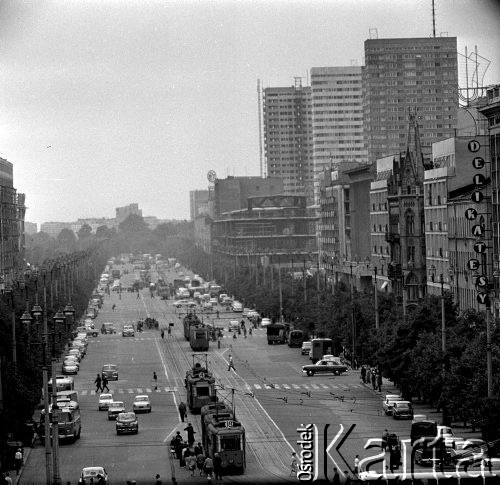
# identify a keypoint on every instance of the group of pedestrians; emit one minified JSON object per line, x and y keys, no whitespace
{"x":372,"y":375}
{"x":101,"y":383}
{"x":192,"y":458}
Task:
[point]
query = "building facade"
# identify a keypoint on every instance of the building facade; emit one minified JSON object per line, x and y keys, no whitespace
{"x":288,"y":137}
{"x":337,"y":118}
{"x":123,"y":212}
{"x":409,"y":75}
{"x":198,"y":203}
{"x":12,"y":214}
{"x":232,"y":193}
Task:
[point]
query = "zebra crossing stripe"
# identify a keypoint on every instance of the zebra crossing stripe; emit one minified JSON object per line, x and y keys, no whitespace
{"x":139,"y":390}
{"x":276,"y":386}
{"x":84,"y":392}
{"x":92,"y":393}
{"x":286,"y":386}
{"x":314,"y":386}
{"x":306,"y":386}
{"x":295,"y":386}
{"x":130,"y":391}
{"x":257,"y":386}
{"x":120,"y":391}
{"x":267,"y":386}
{"x":324,"y":386}
{"x":148,"y":390}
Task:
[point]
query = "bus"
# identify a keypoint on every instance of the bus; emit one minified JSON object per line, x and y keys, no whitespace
{"x":295,"y":338}
{"x":70,"y":424}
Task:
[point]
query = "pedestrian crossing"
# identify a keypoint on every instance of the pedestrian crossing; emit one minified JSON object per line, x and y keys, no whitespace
{"x":253,"y":387}
{"x":136,"y":390}
{"x":306,"y":387}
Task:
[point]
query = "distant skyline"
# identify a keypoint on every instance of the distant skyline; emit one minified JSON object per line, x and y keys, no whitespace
{"x":105,"y":103}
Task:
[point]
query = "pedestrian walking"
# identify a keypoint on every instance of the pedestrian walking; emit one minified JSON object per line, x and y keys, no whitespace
{"x":374,"y":380}
{"x":336,"y":477}
{"x":104,"y":383}
{"x":293,"y":464}
{"x":208,"y":467}
{"x":97,"y":383}
{"x":177,"y":444}
{"x":385,"y":439}
{"x":379,"y":382}
{"x":182,"y":410}
{"x":356,"y":465}
{"x":217,"y":466}
{"x":191,"y":463}
{"x":198,"y":449}
{"x":190,"y":434}
{"x":158,"y":479}
{"x":169,"y":331}
{"x":231,"y":363}
{"x":363,"y":374}
{"x":138,"y":295}
{"x":200,"y":462}
{"x":113,"y":307}
{"x":245,"y":332}
{"x":162,"y":333}
{"x":155,"y":380}
{"x":18,"y":460}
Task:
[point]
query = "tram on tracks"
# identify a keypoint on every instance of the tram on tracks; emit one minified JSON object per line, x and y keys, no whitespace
{"x":190,"y":320}
{"x":223,"y":434}
{"x":200,"y":384}
{"x":199,"y":338}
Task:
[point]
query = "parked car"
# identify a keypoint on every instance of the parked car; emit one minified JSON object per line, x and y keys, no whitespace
{"x":127,"y":423}
{"x":91,"y":474}
{"x":306,"y":347}
{"x":324,"y":367}
{"x":110,"y":371}
{"x":104,"y":401}
{"x":236,"y":306}
{"x":115,"y":408}
{"x":141,"y":403}
{"x":233,"y":326}
{"x":70,"y":366}
{"x":389,"y":401}
{"x":402,"y":410}
{"x":265,"y":322}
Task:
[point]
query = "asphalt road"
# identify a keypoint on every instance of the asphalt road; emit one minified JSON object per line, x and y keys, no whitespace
{"x":272,"y":398}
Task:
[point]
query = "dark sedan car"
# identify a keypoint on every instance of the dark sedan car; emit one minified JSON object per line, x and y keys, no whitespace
{"x":127,"y":423}
{"x":323,"y":367}
{"x":110,"y":371}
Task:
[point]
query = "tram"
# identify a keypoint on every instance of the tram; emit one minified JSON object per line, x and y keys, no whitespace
{"x":295,"y":338}
{"x":223,"y":434}
{"x":190,"y":320}
{"x":199,"y":338}
{"x":200,"y":387}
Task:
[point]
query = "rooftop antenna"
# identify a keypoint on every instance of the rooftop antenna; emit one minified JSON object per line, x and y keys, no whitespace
{"x":373,"y":33}
{"x":433,"y":19}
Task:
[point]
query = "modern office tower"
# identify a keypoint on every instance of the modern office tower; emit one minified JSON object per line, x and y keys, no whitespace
{"x":288,"y":137}
{"x":337,"y":118}
{"x":403,"y":76}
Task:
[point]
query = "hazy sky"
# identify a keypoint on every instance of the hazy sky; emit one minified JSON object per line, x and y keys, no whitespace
{"x":104,"y":103}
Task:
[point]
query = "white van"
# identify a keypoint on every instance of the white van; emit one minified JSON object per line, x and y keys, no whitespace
{"x":237,"y":306}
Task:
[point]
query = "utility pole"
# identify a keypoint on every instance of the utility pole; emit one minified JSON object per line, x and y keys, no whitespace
{"x":377,"y":322}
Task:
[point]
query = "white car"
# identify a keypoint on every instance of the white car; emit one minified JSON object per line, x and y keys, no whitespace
{"x":214,"y":301}
{"x":207,"y":305}
{"x":104,"y":401}
{"x":91,"y":474}
{"x":70,"y":366}
{"x":141,"y":403}
{"x":237,"y":306}
{"x":265,"y":322}
{"x":246,"y":311}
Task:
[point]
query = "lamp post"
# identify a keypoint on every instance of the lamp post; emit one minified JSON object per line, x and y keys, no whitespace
{"x":375,"y":288}
{"x":9,"y":290}
{"x":280,"y":289}
{"x":353,"y":324}
{"x":38,"y":312}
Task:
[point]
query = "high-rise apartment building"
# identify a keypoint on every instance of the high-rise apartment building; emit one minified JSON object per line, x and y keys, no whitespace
{"x":337,"y":118}
{"x":403,"y":76}
{"x":288,"y":137}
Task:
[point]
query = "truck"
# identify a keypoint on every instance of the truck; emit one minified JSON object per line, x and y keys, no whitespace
{"x":320,"y":347}
{"x":276,"y":333}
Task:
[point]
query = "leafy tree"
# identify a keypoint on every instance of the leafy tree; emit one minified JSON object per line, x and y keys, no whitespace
{"x":66,"y":240}
{"x":134,"y":223}
{"x":85,"y":232}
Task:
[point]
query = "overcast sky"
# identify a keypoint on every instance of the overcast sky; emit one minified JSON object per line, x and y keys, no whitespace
{"x":104,"y":103}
